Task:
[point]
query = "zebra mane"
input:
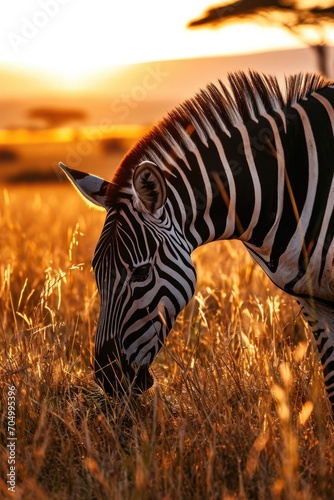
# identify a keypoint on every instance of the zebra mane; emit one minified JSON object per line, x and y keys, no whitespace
{"x":218,"y":108}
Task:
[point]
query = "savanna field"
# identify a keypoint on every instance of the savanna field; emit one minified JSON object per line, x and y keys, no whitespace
{"x":238,"y":409}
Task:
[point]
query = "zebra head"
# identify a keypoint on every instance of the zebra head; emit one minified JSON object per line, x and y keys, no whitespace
{"x":144,"y":274}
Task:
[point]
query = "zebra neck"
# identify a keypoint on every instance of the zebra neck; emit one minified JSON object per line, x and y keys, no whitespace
{"x":215,"y":195}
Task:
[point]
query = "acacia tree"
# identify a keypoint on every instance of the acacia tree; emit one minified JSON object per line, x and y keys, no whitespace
{"x":55,"y":117}
{"x":308,"y":23}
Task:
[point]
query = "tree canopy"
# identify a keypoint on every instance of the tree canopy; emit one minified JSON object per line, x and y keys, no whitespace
{"x":306,"y":21}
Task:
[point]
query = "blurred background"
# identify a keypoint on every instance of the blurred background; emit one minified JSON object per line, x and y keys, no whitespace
{"x":82,"y":81}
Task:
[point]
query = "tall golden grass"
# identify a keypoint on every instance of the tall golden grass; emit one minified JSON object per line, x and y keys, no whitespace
{"x":238,"y":409}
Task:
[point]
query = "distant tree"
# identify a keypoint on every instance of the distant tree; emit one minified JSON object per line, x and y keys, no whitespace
{"x":295,"y":16}
{"x":8,"y":155}
{"x":113,"y":145}
{"x":55,"y":117}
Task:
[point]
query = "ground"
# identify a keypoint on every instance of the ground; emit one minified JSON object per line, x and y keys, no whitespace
{"x":238,"y":408}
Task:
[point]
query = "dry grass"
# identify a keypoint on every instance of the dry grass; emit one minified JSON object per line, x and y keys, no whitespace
{"x":238,"y":409}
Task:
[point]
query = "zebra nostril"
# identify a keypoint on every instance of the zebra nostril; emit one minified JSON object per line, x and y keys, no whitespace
{"x":143,"y":380}
{"x":117,"y":383}
{"x":116,"y":376}
{"x":110,"y":377}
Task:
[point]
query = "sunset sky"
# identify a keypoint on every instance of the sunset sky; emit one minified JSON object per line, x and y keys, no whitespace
{"x":78,"y":54}
{"x":72,"y":37}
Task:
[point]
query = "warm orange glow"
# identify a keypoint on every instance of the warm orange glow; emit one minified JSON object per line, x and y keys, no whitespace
{"x":68,"y":134}
{"x":73,"y":39}
{"x":70,"y":87}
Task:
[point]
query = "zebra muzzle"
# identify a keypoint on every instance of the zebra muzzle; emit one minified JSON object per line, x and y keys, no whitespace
{"x":114,"y":374}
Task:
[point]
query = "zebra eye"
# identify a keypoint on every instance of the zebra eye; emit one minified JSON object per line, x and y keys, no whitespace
{"x":140,"y":273}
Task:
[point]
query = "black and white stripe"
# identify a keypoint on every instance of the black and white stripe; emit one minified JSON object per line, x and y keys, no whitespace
{"x":254,"y":162}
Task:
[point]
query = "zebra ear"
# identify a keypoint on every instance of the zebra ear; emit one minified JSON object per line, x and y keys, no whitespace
{"x":150,"y":187}
{"x":92,"y":188}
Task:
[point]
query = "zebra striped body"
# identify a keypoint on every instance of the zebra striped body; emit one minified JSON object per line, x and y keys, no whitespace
{"x":249,"y":164}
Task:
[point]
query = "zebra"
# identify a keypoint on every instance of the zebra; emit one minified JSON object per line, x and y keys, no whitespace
{"x":251,"y":160}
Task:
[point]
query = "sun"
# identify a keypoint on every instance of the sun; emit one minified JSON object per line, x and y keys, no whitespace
{"x":72,"y":39}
